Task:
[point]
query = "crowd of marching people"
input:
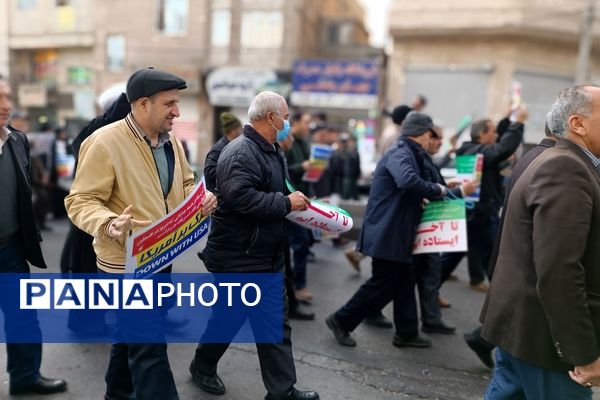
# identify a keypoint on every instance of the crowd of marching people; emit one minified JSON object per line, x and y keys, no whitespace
{"x":129,"y":172}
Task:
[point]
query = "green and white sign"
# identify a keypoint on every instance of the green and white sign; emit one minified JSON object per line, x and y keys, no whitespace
{"x":468,"y":168}
{"x":443,"y":228}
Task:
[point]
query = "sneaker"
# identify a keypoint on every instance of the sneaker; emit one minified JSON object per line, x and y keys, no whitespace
{"x":341,"y":336}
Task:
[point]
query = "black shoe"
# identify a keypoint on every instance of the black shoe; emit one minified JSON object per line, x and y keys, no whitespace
{"x":210,"y":384}
{"x":343,"y":337}
{"x":439,"y":327}
{"x":40,"y":386}
{"x":298,"y":314}
{"x":379,"y":321}
{"x":295,"y":394}
{"x":415,"y":341}
{"x":482,"y":349}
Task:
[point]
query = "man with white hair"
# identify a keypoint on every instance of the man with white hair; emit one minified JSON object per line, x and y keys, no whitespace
{"x":248,"y":236}
{"x":543,"y":309}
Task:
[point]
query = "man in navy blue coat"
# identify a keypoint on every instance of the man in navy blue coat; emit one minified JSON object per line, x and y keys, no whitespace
{"x":393,"y":213}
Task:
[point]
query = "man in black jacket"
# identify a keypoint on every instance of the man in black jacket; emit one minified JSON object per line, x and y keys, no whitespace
{"x":482,"y":221}
{"x":19,"y":243}
{"x":231,"y":128}
{"x":78,"y":254}
{"x":481,"y":347}
{"x":299,"y":238}
{"x":248,"y":235}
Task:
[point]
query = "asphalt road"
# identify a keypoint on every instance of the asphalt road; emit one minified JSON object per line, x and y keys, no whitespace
{"x":373,"y":370}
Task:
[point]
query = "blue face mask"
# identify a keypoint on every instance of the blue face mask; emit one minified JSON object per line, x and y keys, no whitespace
{"x":285,"y":132}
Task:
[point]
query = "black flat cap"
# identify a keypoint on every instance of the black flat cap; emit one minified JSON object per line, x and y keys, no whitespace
{"x":148,"y":81}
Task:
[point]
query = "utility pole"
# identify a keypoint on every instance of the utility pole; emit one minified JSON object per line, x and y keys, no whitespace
{"x":582,"y":73}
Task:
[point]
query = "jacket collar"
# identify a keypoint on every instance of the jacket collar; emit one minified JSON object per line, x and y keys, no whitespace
{"x":253,"y":135}
{"x":547,"y":142}
{"x":412,"y":144}
{"x":12,"y":132}
{"x":163,"y":137}
{"x":567,"y":144}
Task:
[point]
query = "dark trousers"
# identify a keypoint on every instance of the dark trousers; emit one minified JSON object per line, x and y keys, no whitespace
{"x":428,"y":271}
{"x":449,"y":262}
{"x":58,"y":202}
{"x":481,"y":235}
{"x":23,"y":359}
{"x":139,"y":371}
{"x":518,"y":380}
{"x":289,"y":278}
{"x":299,"y":241}
{"x":41,"y":203}
{"x":390,"y":281}
{"x":78,"y":256}
{"x":276,"y":360}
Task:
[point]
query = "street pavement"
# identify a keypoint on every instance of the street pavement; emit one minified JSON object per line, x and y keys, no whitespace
{"x":373,"y":370}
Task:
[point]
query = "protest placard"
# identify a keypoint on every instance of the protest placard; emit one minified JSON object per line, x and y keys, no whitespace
{"x":443,"y":228}
{"x":323,"y":216}
{"x":155,"y":247}
{"x":468,"y":168}
{"x":319,"y":159}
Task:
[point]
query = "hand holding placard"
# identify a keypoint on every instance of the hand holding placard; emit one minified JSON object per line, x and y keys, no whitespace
{"x":299,"y":201}
{"x":124,"y":223}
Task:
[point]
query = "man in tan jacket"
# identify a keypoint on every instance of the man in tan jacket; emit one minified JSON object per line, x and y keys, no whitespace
{"x":131,"y":173}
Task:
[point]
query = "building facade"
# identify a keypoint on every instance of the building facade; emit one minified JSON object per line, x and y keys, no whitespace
{"x":4,"y":37}
{"x":62,"y":54}
{"x":50,"y":45}
{"x":470,"y":57}
{"x":256,"y":44}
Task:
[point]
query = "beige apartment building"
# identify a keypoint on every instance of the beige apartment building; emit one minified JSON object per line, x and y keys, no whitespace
{"x":62,"y":53}
{"x":466,"y":56}
{"x":254,"y":44}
